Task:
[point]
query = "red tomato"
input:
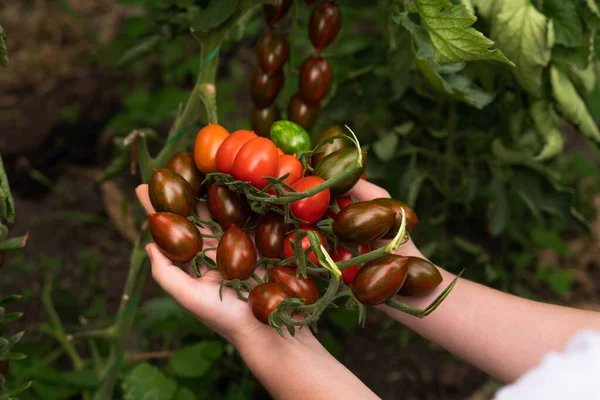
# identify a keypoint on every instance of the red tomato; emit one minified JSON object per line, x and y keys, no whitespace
{"x":342,"y":202}
{"x":343,"y":254}
{"x":208,"y":141}
{"x":291,"y":164}
{"x":312,"y":208}
{"x":280,"y":152}
{"x":229,"y":149}
{"x":255,"y":160}
{"x":289,"y":252}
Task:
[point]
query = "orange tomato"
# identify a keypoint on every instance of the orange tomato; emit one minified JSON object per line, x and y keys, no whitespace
{"x":208,"y":141}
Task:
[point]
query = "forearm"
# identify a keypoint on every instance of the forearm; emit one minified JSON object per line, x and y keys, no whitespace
{"x":501,"y":334}
{"x":300,"y":368}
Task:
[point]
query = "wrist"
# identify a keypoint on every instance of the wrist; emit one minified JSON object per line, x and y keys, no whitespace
{"x":263,"y":337}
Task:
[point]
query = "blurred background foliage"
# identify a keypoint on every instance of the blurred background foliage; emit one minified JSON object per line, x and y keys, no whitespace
{"x":458,"y":141}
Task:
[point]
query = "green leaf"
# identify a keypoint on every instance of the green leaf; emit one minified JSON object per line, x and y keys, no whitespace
{"x":16,"y":390}
{"x":15,"y":243}
{"x":147,"y":382}
{"x":7,"y":204}
{"x":9,"y":299}
{"x":449,"y":27}
{"x":571,"y":105}
{"x":526,"y":37}
{"x":3,"y":50}
{"x":546,"y":123}
{"x":457,"y":85}
{"x":143,"y":48}
{"x":568,"y":24}
{"x":194,"y":361}
{"x":385,"y":147}
{"x":184,"y":393}
{"x":216,"y":13}
{"x":498,"y":208}
{"x":549,"y":239}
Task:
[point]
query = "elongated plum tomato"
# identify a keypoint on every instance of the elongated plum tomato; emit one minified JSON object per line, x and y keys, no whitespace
{"x":183,"y":164}
{"x":261,"y":119}
{"x":312,"y":208}
{"x":397,"y":206}
{"x":264,"y":88}
{"x":256,"y":159}
{"x":274,"y":12}
{"x":302,"y":113}
{"x":379,"y":280}
{"x":264,"y":299}
{"x":271,"y":52}
{"x":171,"y":193}
{"x":342,"y":202}
{"x":270,"y":235}
{"x":363,"y":222}
{"x":315,"y":79}
{"x":229,"y":149}
{"x":422,"y":279}
{"x":335,"y":164}
{"x":297,"y":287}
{"x":236,"y":255}
{"x":293,"y":166}
{"x":178,"y":238}
{"x":324,"y":25}
{"x":344,"y":254}
{"x":206,"y":146}
{"x":287,"y":244}
{"x":226,"y":207}
{"x":330,"y":147}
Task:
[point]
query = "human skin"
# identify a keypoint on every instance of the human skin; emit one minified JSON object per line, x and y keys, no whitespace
{"x":501,"y":334}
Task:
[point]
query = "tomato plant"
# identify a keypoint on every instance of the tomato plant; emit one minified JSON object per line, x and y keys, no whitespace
{"x":293,"y":166}
{"x":270,"y":236}
{"x":312,"y":208}
{"x":315,"y":79}
{"x":255,"y":160}
{"x":169,"y":192}
{"x":229,"y":149}
{"x":226,"y":207}
{"x":264,"y":299}
{"x":296,"y":286}
{"x":325,"y":23}
{"x":287,"y":244}
{"x":379,"y":280}
{"x":271,"y":52}
{"x":422,"y":279}
{"x":178,"y":238}
{"x":342,"y":253}
{"x":208,"y":141}
{"x":236,"y":255}
{"x":261,"y":119}
{"x":335,"y":163}
{"x":264,"y":88}
{"x":363,"y":222}
{"x":302,"y":113}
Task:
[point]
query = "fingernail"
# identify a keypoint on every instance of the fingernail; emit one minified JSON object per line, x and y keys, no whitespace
{"x":149,"y":251}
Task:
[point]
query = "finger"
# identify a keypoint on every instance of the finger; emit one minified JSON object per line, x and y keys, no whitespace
{"x":364,"y":191}
{"x":142,"y":194}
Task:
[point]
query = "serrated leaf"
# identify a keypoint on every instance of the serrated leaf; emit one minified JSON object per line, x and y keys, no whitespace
{"x":217,"y":12}
{"x":7,"y":204}
{"x":449,"y":27}
{"x":483,"y":7}
{"x":445,"y":80}
{"x":526,"y":37}
{"x":571,"y":105}
{"x":385,"y":147}
{"x":194,"y":361}
{"x":568,"y":24}
{"x":546,"y":123}
{"x":3,"y":50}
{"x":147,"y":382}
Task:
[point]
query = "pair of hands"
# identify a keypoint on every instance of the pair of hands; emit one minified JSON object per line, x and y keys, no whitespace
{"x":230,"y":318}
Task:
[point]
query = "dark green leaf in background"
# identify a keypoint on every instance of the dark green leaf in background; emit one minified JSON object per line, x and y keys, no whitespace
{"x":148,"y":382}
{"x":217,"y":12}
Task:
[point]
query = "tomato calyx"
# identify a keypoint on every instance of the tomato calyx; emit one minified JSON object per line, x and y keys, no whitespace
{"x":237,"y":285}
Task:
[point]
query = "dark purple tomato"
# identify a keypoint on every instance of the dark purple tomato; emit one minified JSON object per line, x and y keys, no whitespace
{"x":397,"y":206}
{"x":179,"y":239}
{"x":379,"y":280}
{"x":423,"y":277}
{"x":261,"y":119}
{"x":363,"y":222}
{"x":236,"y":255}
{"x":270,"y":236}
{"x":302,"y":113}
{"x":315,"y":79}
{"x":335,"y":163}
{"x":324,"y":26}
{"x":264,"y":88}
{"x":227,"y":207}
{"x":183,"y":164}
{"x":297,"y":287}
{"x":330,"y":147}
{"x":169,"y":192}
{"x":271,"y":52}
{"x":275,"y":12}
{"x":264,"y":299}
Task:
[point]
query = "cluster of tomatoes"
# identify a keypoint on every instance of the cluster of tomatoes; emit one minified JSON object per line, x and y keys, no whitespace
{"x":315,"y":78}
{"x":273,"y":168}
